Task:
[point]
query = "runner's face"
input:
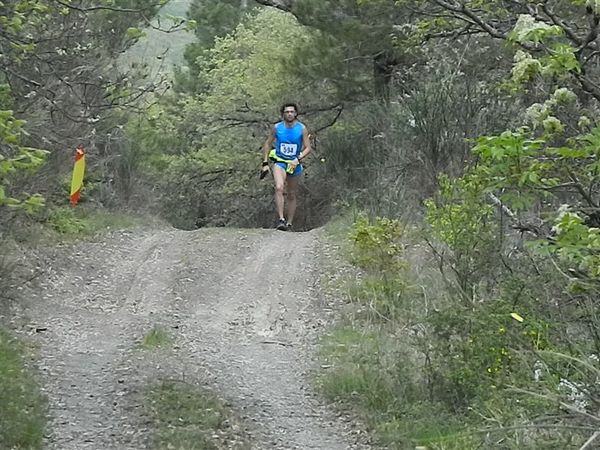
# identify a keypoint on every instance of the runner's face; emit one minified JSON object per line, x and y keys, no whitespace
{"x":289,"y":114}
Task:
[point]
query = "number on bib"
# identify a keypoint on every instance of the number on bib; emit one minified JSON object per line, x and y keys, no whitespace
{"x":288,"y":149}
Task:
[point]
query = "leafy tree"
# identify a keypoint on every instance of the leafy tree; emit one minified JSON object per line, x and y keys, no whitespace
{"x":15,"y":160}
{"x":362,"y":36}
{"x":217,"y":19}
{"x":218,"y":131}
{"x":60,"y":60}
{"x":560,"y":34}
{"x":542,"y":179}
{"x":214,"y":19}
{"x":58,"y":55}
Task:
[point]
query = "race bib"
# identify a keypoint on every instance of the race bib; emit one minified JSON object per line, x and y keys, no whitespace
{"x":288,"y":149}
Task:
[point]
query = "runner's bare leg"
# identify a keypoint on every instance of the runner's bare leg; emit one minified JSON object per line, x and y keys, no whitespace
{"x":279,"y":175}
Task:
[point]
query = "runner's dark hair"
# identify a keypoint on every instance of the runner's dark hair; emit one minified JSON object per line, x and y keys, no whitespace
{"x":288,"y":104}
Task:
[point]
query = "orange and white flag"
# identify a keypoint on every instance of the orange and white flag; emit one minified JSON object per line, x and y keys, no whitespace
{"x":78,"y":171}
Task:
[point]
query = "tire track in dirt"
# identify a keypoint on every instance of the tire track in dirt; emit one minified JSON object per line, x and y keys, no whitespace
{"x":85,"y":352}
{"x":256,"y":327}
{"x":245,"y":310}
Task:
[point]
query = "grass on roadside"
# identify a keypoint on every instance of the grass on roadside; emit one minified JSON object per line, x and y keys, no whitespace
{"x":186,"y":417}
{"x":82,"y":221}
{"x":337,"y":231}
{"x":65,"y":224}
{"x":22,"y":407}
{"x":372,"y":362}
{"x":157,"y":337}
{"x":373,"y":373}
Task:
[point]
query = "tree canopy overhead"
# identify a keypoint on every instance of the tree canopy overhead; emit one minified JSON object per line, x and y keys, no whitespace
{"x":61,"y":56}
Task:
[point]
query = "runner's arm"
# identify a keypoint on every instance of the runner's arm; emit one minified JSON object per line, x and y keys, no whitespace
{"x":306,"y":143}
{"x":268,"y":145}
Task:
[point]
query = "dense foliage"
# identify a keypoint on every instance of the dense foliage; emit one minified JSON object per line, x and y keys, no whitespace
{"x":464,"y":131}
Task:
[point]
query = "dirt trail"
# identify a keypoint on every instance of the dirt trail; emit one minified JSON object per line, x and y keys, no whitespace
{"x":243,"y":305}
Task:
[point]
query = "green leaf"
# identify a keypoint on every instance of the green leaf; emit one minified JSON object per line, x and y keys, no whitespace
{"x":569,"y":152}
{"x":135,"y":33}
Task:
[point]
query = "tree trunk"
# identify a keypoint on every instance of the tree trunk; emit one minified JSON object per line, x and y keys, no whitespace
{"x":383,"y":69}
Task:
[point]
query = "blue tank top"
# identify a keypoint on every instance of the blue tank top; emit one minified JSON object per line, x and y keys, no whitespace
{"x":288,"y":141}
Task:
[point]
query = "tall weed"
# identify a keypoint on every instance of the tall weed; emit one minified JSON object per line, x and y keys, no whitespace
{"x":22,"y":407}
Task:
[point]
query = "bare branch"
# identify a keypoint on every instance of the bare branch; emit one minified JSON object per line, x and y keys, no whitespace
{"x":104,"y":8}
{"x":592,"y":34}
{"x":590,"y":441}
{"x":581,"y":189}
{"x":561,"y":23}
{"x":468,"y":15}
{"x":21,"y":77}
{"x":339,"y":108}
{"x":142,"y":11}
{"x":283,"y":5}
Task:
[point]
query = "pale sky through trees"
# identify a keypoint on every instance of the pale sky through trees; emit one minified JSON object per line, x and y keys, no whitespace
{"x":156,"y":43}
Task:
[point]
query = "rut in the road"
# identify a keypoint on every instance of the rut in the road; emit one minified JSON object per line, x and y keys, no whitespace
{"x":246,"y":309}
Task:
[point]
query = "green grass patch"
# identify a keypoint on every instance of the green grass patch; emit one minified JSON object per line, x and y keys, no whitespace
{"x":384,"y":299}
{"x":186,"y":417}
{"x":69,"y":224}
{"x":22,"y":407}
{"x":368,"y":369}
{"x":372,"y":364}
{"x":338,"y":231}
{"x":424,"y":368}
{"x":373,"y":373}
{"x":157,"y":337}
{"x":355,"y":374}
{"x":428,"y":425}
{"x":79,"y":221}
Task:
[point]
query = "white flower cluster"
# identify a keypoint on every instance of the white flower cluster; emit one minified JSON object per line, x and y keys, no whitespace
{"x":575,"y":392}
{"x":584,"y":122}
{"x":562,"y":96}
{"x":563,"y":210}
{"x":553,"y":125}
{"x":82,"y":48}
{"x":538,"y":371}
{"x":536,"y":113}
{"x":540,"y":113}
{"x":528,"y":30}
{"x":526,"y":67}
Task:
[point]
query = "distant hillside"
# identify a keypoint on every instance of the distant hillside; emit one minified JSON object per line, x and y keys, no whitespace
{"x":176,"y":7}
{"x":158,"y":49}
